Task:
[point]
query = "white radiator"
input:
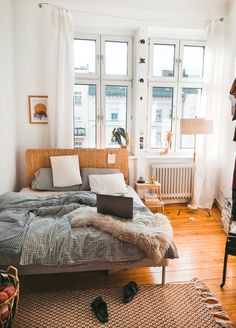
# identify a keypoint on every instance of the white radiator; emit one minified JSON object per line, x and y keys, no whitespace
{"x":175,"y":179}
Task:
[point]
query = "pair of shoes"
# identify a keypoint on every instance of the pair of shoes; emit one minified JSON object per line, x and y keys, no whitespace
{"x":99,"y":306}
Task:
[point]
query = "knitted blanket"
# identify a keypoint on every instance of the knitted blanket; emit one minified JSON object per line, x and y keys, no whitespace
{"x":152,"y":233}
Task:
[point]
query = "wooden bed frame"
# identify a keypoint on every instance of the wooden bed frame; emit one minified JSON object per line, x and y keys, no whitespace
{"x":39,"y":158}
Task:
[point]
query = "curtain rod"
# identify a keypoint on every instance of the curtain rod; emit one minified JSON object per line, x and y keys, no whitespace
{"x":41,"y":4}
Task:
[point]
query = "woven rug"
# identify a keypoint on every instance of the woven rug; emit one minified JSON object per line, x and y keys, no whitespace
{"x":171,"y":306}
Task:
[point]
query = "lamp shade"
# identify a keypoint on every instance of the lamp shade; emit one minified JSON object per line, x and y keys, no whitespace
{"x":196,"y":126}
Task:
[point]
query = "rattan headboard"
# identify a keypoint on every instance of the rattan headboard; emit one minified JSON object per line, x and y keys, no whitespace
{"x":38,"y":158}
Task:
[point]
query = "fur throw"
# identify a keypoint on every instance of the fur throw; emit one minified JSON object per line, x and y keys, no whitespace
{"x":152,"y":234}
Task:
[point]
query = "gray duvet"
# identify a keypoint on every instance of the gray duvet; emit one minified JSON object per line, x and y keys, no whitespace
{"x":36,"y":230}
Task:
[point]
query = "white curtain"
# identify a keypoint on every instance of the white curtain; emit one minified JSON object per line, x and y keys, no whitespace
{"x":61,"y":79}
{"x":8,"y":141}
{"x":207,"y":163}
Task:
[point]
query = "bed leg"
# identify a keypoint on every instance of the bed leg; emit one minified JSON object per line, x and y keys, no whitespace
{"x":163,"y":276}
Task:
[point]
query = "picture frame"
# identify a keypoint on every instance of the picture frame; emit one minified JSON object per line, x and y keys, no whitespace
{"x":38,"y":109}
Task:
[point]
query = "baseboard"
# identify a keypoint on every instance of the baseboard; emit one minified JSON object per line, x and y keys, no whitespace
{"x":176,"y":201}
{"x":218,"y":203}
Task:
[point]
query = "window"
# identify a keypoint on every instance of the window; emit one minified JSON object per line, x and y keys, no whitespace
{"x":114,"y":116}
{"x":85,"y":116}
{"x":164,"y":60}
{"x":158,"y":115}
{"x":116,"y":52}
{"x":192,"y":61}
{"x":77,"y":98}
{"x":85,"y":56}
{"x":117,"y":93}
{"x":102,"y":81}
{"x":175,"y":90}
{"x":190,"y":106}
{"x":161,"y":104}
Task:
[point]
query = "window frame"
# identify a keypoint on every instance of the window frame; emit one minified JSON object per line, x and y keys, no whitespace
{"x":177,"y":82}
{"x":182,"y":85}
{"x":181,"y":51}
{"x":112,"y":38}
{"x":176,"y":59}
{"x":100,"y":80}
{"x":148,"y":147}
{"x":96,"y":75}
{"x":103,"y":108}
{"x":98,"y":108}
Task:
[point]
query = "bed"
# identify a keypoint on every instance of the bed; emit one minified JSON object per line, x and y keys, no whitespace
{"x":116,"y":255}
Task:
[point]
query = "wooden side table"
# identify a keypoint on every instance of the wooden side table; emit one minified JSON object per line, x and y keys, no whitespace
{"x":154,"y":188}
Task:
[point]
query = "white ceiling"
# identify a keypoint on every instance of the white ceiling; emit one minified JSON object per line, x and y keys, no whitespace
{"x":153,"y":9}
{"x":146,"y":12}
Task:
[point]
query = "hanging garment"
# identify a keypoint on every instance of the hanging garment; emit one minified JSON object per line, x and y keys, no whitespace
{"x":234,"y":193}
{"x":232,"y":97}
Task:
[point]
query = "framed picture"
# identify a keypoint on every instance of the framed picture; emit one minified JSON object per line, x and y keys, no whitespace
{"x":38,"y":109}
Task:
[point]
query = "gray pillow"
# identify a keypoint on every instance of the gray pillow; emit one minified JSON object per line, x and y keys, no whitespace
{"x":44,"y":181}
{"x":86,"y":171}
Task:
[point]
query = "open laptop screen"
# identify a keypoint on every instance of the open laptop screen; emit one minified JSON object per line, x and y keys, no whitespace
{"x":115,"y":205}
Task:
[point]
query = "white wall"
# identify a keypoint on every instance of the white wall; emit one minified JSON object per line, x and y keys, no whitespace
{"x":228,"y":147}
{"x":7,"y":105}
{"x":31,"y":55}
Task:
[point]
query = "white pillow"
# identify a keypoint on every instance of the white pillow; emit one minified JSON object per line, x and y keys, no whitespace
{"x":65,"y":170}
{"x":108,"y":183}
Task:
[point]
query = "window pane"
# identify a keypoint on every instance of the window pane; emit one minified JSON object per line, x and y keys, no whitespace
{"x":85,"y":116}
{"x":161,"y":119}
{"x":191,"y":101}
{"x":116,"y":62}
{"x":193,"y":62}
{"x":85,"y":56}
{"x":116,"y":111}
{"x":163,"y":60}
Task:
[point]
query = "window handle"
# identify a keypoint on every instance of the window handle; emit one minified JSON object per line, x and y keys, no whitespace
{"x":97,"y":118}
{"x":178,"y":61}
{"x":101,"y":118}
{"x":98,"y":59}
{"x":102,"y":59}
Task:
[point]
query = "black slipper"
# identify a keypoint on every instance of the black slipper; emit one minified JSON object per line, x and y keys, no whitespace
{"x":99,"y":307}
{"x":129,"y":291}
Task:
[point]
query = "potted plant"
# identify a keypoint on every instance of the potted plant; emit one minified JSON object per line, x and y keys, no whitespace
{"x":121,"y":137}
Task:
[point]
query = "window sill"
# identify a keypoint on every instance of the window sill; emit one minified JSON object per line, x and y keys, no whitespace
{"x":169,"y":156}
{"x":162,"y":157}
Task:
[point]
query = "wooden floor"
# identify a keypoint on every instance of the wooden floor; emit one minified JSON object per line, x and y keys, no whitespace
{"x":200,"y":241}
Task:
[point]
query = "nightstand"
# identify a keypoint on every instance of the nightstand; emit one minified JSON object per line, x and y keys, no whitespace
{"x":155,"y":199}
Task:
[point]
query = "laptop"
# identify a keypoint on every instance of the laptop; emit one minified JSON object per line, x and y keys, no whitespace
{"x":115,"y":205}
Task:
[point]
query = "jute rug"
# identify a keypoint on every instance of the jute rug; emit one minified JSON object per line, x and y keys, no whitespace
{"x":171,"y":306}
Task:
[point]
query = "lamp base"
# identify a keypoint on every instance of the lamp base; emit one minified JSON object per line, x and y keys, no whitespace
{"x":192,"y":206}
